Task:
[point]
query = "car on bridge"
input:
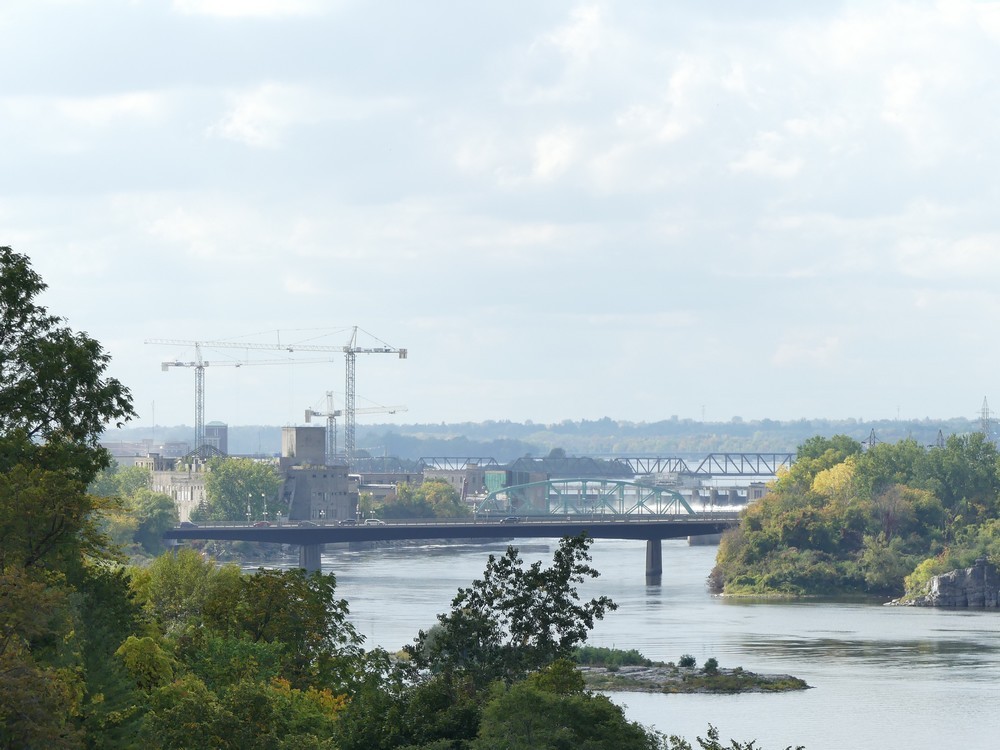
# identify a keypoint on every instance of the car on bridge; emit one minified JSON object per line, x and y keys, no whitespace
{"x":374,"y":522}
{"x":349,"y":522}
{"x":261,"y":524}
{"x":510,"y":519}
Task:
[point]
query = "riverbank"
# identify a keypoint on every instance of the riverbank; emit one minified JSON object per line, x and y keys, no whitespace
{"x":668,"y":678}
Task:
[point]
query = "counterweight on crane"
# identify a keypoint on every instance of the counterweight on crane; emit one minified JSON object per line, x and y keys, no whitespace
{"x":350,"y":350}
{"x":331,"y":415}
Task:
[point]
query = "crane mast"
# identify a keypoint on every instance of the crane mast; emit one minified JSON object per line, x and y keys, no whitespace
{"x":350,"y":350}
{"x":331,"y":415}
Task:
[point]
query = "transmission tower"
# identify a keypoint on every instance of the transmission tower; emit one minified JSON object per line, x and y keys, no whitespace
{"x":984,"y":418}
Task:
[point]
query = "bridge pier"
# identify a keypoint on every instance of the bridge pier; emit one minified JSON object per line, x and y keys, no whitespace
{"x":654,"y":561}
{"x":309,"y":557}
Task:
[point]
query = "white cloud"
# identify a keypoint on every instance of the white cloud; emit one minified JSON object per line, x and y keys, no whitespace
{"x":70,"y":123}
{"x":582,"y":36}
{"x":250,"y":8}
{"x":974,"y":257}
{"x":553,"y":154}
{"x":764,"y":161}
{"x":807,"y":350}
{"x":261,"y":117}
{"x":297,"y":285}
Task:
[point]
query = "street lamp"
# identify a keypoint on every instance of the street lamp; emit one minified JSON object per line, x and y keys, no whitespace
{"x":263,"y":502}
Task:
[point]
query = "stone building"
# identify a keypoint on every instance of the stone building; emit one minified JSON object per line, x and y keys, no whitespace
{"x":313,"y":490}
{"x":184,"y":483}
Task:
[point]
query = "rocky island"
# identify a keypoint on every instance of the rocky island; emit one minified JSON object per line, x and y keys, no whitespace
{"x":629,"y":671}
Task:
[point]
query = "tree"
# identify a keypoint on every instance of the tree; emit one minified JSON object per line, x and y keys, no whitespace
{"x":121,"y":481}
{"x":433,"y":498}
{"x":300,"y":611}
{"x":52,"y":379}
{"x":233,"y":484}
{"x":155,"y":512}
{"x":550,"y":710}
{"x":173,"y":589}
{"x":514,"y":619}
{"x":55,"y":401}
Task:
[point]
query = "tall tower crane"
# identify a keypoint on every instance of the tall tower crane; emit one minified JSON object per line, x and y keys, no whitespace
{"x":350,"y":350}
{"x":199,"y":364}
{"x":331,"y":415}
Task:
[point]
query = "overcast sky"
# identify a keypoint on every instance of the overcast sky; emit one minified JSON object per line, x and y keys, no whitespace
{"x":562,"y":210}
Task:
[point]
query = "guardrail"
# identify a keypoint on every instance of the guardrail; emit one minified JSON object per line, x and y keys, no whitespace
{"x":497,"y":520}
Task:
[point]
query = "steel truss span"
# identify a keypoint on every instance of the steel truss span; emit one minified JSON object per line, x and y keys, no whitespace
{"x":585,"y":497}
{"x":714,"y":464}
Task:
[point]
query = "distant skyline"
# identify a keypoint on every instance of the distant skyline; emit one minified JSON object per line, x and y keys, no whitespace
{"x":562,"y":210}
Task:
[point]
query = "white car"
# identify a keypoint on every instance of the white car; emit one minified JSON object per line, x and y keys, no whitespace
{"x":374,"y":522}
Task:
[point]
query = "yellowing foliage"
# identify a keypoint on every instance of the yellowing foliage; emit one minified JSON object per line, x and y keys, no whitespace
{"x":835,"y":482}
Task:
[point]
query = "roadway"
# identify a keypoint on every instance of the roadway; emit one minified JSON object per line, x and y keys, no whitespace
{"x":640,"y":526}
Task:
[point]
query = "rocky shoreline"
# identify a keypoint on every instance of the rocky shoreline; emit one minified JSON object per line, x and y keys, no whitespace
{"x":977,"y":587}
{"x":668,"y":678}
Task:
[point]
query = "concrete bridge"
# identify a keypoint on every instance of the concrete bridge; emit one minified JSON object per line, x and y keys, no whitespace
{"x":310,"y":537}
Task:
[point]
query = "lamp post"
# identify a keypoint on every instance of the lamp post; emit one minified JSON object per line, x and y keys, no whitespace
{"x":249,"y":512}
{"x":263,"y":502}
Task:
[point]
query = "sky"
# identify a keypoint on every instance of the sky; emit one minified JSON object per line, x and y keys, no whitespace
{"x":562,"y":210}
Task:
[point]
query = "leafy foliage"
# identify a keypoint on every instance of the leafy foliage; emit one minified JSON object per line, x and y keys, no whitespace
{"x":550,"y":711}
{"x":433,"y":498}
{"x":234,"y":484}
{"x":609,"y":657}
{"x":843,"y":521}
{"x":52,"y":381}
{"x":515,"y":619}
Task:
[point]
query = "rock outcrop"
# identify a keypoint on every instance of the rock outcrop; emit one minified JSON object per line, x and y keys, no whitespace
{"x":978,"y":586}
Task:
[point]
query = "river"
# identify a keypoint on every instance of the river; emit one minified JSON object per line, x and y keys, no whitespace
{"x":881,"y":677}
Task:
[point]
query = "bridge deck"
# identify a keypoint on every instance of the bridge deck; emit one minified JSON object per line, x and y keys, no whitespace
{"x":631,"y":527}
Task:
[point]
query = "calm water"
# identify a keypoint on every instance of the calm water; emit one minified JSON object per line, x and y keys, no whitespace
{"x":882,"y":677}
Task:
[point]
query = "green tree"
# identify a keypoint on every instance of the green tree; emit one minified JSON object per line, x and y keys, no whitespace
{"x":515,"y":619}
{"x":964,"y":476}
{"x":52,"y":379}
{"x":300,"y":611}
{"x":174,"y":589}
{"x":712,"y":742}
{"x":55,"y":401}
{"x":551,"y":711}
{"x":120,"y":481}
{"x":154,"y":512}
{"x":433,"y":498}
{"x":233,"y":484}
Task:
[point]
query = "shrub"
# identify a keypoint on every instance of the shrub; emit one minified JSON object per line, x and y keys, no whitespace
{"x":687,"y":661}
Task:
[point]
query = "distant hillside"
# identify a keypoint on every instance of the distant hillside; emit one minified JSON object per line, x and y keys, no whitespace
{"x":505,"y":441}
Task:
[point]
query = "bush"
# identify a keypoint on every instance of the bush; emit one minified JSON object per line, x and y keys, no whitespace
{"x":711,"y":666}
{"x":687,"y":661}
{"x":611,"y":658}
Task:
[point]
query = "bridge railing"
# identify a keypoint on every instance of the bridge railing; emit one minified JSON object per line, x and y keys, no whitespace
{"x":497,"y":519}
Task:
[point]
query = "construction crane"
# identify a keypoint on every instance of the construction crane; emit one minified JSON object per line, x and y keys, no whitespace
{"x":331,"y":415}
{"x":199,"y":364}
{"x":350,"y":350}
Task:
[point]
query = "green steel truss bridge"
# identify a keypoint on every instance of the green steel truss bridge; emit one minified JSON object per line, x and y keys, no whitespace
{"x":589,"y":496}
